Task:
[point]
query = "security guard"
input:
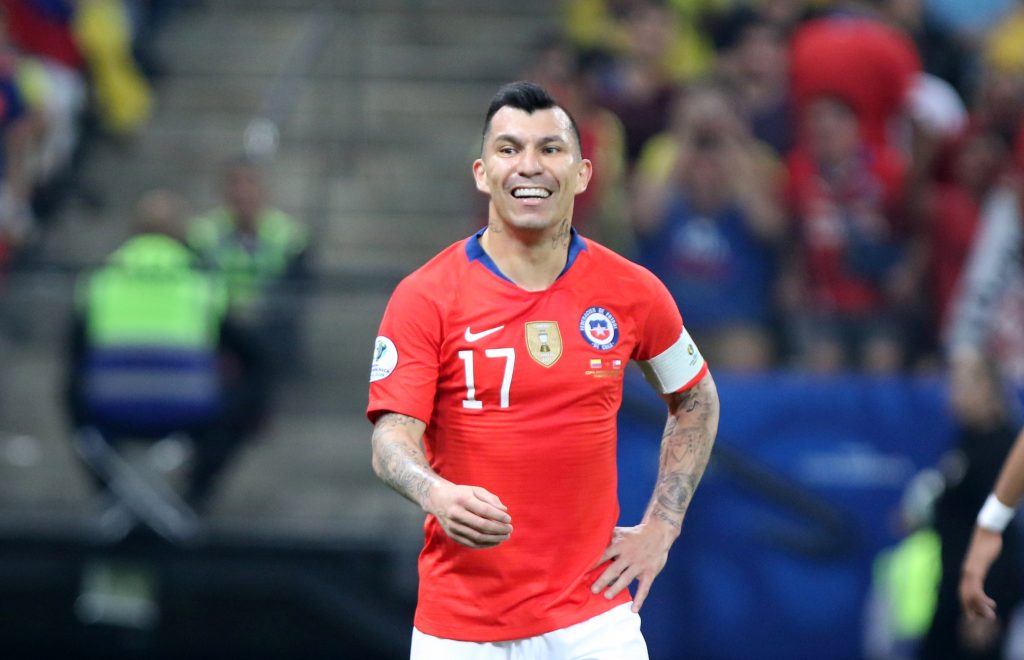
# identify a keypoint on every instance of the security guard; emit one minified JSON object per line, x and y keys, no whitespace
{"x":251,"y":242}
{"x":154,"y":350}
{"x":260,"y":250}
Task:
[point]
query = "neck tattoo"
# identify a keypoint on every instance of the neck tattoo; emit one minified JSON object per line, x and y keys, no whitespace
{"x":560,"y":238}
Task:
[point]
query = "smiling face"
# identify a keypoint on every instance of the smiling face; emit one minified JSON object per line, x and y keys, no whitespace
{"x":531,"y":167}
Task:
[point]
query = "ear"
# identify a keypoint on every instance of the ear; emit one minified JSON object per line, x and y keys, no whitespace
{"x":583,"y":175}
{"x":481,"y":177}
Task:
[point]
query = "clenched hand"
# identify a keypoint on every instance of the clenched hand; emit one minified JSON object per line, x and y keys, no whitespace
{"x":470,"y":515}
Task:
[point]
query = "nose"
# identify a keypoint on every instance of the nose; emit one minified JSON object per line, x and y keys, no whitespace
{"x":529,"y":162}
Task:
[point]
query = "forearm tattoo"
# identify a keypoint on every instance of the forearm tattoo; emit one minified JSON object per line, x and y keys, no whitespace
{"x":685,"y":450}
{"x":398,"y":460}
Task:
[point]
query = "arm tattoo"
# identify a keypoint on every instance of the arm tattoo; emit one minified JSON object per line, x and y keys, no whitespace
{"x":398,"y":460}
{"x":688,"y":400}
{"x":685,"y":449}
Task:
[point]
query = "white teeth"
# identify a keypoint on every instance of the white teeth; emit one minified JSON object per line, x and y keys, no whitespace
{"x":530,"y":192}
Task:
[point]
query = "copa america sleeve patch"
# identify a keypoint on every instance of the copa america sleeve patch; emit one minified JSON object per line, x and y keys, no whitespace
{"x":385,"y":358}
{"x":675,"y":367}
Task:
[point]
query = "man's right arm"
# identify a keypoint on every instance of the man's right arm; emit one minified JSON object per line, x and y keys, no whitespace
{"x":987,"y":543}
{"x":470,"y":515}
{"x":398,"y":457}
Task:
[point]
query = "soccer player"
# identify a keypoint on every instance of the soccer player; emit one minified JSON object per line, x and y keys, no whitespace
{"x":987,"y":541}
{"x":495,"y":384}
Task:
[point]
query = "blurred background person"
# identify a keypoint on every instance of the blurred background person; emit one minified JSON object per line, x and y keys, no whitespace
{"x":121,"y":96}
{"x":45,"y":34}
{"x":786,"y":15}
{"x":153,"y":350}
{"x":753,"y":55}
{"x":850,"y":52}
{"x":986,"y":430}
{"x":708,"y":219}
{"x":951,"y":214}
{"x":639,"y":84}
{"x":261,"y":251}
{"x":606,"y":25}
{"x":22,"y":126}
{"x":854,"y":276}
{"x":81,"y":83}
{"x":942,"y":53}
{"x":999,"y":102}
{"x":986,"y":307}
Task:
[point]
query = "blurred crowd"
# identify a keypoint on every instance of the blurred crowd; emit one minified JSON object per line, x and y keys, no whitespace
{"x":809,"y":178}
{"x":70,"y":71}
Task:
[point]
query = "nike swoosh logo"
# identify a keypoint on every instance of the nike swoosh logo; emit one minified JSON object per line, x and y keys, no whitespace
{"x":473,"y":336}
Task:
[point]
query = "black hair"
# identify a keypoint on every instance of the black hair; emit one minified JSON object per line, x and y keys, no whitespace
{"x":729,"y":29}
{"x":528,"y":97}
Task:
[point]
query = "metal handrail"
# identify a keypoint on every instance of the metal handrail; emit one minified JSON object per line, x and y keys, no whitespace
{"x":262,"y":135}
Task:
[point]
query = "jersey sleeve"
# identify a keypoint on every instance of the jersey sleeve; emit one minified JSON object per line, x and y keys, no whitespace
{"x":403,"y":374}
{"x":666,"y":353}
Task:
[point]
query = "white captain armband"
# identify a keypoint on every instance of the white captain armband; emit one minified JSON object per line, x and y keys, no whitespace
{"x":675,"y":367}
{"x":994,"y":515}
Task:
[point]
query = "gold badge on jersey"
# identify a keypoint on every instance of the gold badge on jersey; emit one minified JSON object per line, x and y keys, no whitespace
{"x":544,"y":342}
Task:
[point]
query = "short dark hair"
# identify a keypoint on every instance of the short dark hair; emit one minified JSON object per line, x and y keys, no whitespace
{"x":528,"y":97}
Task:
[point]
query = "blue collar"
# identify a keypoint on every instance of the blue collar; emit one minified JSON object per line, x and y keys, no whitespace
{"x":475,"y":252}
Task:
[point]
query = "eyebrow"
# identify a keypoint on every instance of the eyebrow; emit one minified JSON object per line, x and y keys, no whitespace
{"x":547,"y":139}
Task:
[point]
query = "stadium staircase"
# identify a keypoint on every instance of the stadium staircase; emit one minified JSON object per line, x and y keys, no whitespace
{"x":375,"y":136}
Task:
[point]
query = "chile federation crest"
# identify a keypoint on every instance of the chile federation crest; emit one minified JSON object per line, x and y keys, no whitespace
{"x":599,"y":328}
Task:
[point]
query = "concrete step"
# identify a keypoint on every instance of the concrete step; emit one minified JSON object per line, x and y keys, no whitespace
{"x":420,"y":101}
{"x":459,"y":26}
{"x":317,"y":113}
{"x":368,"y":258}
{"x":218,"y":41}
{"x":196,"y":95}
{"x":445,"y":61}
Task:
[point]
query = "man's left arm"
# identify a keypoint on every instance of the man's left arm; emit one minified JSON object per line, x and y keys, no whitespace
{"x":640,"y":552}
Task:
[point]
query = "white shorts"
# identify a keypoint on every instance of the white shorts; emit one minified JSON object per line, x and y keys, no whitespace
{"x":613,"y":635}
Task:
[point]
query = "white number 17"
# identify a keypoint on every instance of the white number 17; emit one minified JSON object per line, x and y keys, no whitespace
{"x":506,"y":381}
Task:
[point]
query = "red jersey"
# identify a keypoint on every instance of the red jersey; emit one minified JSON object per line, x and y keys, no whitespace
{"x":834,"y":215}
{"x":519,"y":391}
